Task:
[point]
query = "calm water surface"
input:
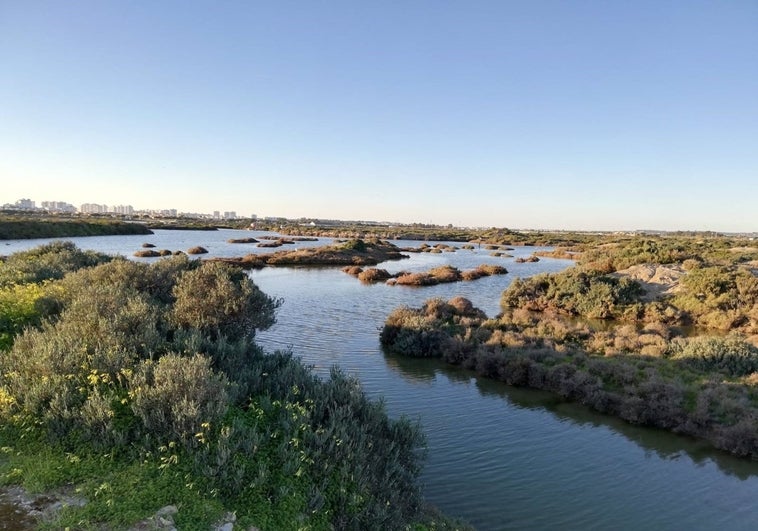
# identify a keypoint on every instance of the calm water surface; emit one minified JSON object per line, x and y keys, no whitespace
{"x":499,"y":457}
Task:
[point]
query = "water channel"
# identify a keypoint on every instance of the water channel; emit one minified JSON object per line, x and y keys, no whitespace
{"x":498,"y":457}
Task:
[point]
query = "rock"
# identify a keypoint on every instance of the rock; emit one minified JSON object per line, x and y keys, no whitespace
{"x":168,"y":510}
{"x":227,"y":522}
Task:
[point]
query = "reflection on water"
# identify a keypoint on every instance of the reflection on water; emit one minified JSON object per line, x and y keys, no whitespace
{"x":663,"y":444}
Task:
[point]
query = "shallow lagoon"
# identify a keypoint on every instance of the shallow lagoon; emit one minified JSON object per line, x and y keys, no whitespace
{"x":499,"y":457}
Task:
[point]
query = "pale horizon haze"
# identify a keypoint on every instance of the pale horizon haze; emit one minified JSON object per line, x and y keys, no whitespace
{"x":577,"y":115}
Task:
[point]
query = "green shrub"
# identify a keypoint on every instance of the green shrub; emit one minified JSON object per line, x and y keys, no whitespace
{"x":354,"y":245}
{"x":730,"y":354}
{"x":175,"y":396}
{"x":220,"y":300}
{"x":49,"y":261}
{"x":573,"y":292}
{"x":21,"y":305}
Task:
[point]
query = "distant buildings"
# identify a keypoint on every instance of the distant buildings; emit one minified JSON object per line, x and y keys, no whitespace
{"x":61,"y":207}
{"x":25,"y":204}
{"x":58,"y":206}
{"x":93,"y":208}
{"x":124,"y":210}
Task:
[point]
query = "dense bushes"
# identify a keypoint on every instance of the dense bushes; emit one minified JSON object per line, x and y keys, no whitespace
{"x":27,"y":227}
{"x":21,"y":305}
{"x":155,"y":367}
{"x":725,"y":354}
{"x":49,"y":261}
{"x":221,"y":301}
{"x":721,"y":296}
{"x":573,"y":292}
{"x":701,"y":387}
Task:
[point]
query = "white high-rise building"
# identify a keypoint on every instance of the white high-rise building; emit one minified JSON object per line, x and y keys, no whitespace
{"x":58,"y":206}
{"x":93,"y":208}
{"x":26,"y":204}
{"x":124,"y":210}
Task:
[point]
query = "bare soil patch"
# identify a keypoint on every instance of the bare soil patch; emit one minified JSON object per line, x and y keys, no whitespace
{"x":657,"y":280}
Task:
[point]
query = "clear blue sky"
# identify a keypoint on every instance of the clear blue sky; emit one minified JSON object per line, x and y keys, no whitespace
{"x":530,"y":114}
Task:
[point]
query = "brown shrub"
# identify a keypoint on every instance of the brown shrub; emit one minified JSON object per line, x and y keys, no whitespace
{"x":472,"y":274}
{"x":659,"y":329}
{"x":691,"y":263}
{"x":197,"y":250}
{"x":416,"y":279}
{"x":445,"y":274}
{"x":352,"y":270}
{"x":147,"y":253}
{"x":491,"y":269}
{"x":463,"y":306}
{"x":374,"y":275}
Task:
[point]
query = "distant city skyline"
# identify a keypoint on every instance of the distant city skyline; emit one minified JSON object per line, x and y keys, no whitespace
{"x":586,"y":115}
{"x":27,"y":203}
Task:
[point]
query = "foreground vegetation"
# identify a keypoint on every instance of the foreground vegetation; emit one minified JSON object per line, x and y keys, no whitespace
{"x":23,"y":227}
{"x":676,"y":349}
{"x":132,"y":387}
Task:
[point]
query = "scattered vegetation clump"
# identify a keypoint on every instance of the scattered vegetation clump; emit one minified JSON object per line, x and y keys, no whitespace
{"x":437,"y":275}
{"x":273,"y":244}
{"x":242,"y":240}
{"x":492,"y":269}
{"x":197,"y":250}
{"x":147,"y":245}
{"x":352,"y":270}
{"x":373,"y":274}
{"x":147,"y":253}
{"x":416,"y":279}
{"x":354,"y":245}
{"x":148,"y":374}
{"x":352,"y":252}
{"x":531,"y":259}
{"x":445,"y":274}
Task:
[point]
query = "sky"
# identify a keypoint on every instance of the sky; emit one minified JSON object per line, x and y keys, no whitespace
{"x":580,"y":115}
